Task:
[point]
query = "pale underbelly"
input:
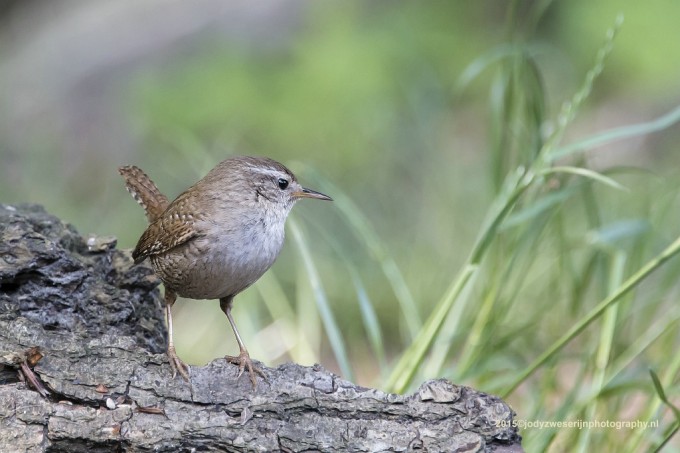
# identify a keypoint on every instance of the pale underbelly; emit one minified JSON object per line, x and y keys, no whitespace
{"x":197,"y":271}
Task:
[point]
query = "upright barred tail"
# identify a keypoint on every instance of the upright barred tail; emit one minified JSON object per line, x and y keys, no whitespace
{"x":144,"y":191}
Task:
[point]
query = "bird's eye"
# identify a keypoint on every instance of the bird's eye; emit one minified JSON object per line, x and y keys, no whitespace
{"x":283,"y":183}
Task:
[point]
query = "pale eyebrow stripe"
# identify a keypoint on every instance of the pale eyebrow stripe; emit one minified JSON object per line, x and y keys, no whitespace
{"x":266,"y":171}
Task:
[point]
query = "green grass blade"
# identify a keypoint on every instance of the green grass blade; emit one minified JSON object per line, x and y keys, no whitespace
{"x":604,"y":349}
{"x":332,"y":330}
{"x":370,"y":321}
{"x":364,"y":232}
{"x":642,"y":342}
{"x":651,"y":413}
{"x":413,"y":357}
{"x":476,"y":335}
{"x":662,"y":395}
{"x":487,"y":59}
{"x":366,"y":306}
{"x":586,"y":173}
{"x":538,"y":207}
{"x":406,"y":367}
{"x":618,"y":133}
{"x":596,"y":312}
{"x":574,"y":407}
{"x":570,"y":108}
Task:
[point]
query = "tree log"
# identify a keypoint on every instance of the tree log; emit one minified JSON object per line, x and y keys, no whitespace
{"x":82,"y":369}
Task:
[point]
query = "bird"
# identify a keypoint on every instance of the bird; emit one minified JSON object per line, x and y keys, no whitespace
{"x":216,"y":238}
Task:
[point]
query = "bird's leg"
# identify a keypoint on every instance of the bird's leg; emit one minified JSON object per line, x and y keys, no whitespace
{"x":175,"y":362}
{"x":243,"y":359}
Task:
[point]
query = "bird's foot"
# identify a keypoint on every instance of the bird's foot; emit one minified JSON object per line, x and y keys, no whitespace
{"x":177,"y":365}
{"x":244,"y":362}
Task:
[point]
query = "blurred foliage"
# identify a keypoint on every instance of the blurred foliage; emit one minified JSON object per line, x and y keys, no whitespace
{"x":644,"y":63}
{"x":346,"y":81}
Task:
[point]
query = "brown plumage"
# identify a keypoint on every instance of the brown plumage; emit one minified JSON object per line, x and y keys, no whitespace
{"x":218,"y":237}
{"x":173,"y":227}
{"x":168,"y":227}
{"x":144,"y":191}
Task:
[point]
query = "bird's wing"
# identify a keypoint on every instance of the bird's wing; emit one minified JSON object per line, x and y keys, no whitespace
{"x":175,"y":226}
{"x":144,"y":191}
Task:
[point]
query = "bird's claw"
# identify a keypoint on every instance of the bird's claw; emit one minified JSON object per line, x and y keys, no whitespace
{"x":177,"y":364}
{"x":244,"y":362}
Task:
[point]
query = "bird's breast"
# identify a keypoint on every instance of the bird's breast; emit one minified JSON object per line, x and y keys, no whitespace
{"x":247,"y":251}
{"x":223,"y":260}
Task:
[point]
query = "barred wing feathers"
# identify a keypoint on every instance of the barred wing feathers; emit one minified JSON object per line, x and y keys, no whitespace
{"x":174,"y":227}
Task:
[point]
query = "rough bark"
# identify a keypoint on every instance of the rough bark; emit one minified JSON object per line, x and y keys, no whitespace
{"x":101,"y":383}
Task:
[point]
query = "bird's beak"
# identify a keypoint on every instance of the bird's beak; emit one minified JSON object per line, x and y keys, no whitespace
{"x":309,"y":193}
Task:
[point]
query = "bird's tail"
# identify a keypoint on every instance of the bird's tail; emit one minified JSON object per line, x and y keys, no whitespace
{"x":144,"y":191}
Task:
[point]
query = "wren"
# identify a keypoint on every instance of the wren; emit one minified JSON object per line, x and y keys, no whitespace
{"x":217,"y":237}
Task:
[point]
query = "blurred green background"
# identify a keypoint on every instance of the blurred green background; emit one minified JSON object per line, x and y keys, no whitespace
{"x":412,"y":115}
